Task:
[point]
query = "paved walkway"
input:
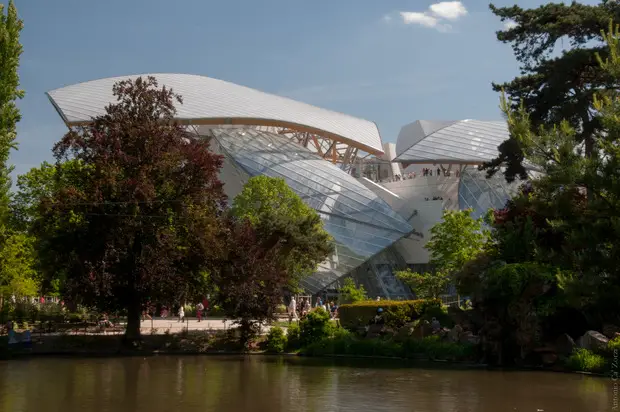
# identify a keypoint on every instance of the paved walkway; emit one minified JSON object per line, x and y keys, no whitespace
{"x":173,"y":325}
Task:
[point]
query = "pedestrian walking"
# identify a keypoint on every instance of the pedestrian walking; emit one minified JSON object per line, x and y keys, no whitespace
{"x":181,"y":314}
{"x":199,"y":308}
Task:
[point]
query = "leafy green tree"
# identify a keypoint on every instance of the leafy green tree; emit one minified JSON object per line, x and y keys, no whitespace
{"x":18,"y":276}
{"x":574,"y":204}
{"x":350,"y":293}
{"x":37,"y":184}
{"x":455,"y":241}
{"x":553,"y":87}
{"x":425,"y":285}
{"x":10,"y":52}
{"x":272,"y":208}
{"x":141,"y":223}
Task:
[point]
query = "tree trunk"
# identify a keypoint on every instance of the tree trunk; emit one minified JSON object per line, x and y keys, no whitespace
{"x":132,"y":332}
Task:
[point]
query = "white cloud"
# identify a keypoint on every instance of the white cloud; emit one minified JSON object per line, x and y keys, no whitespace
{"x":387,"y":18}
{"x":449,"y":10}
{"x":423,"y":19}
{"x":436,"y":14}
{"x":509,"y":24}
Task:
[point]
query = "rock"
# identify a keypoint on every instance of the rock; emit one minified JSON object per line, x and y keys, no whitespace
{"x":564,"y":345}
{"x":422,"y":330}
{"x":549,"y":358}
{"x":374,"y":331}
{"x":404,"y":332}
{"x":593,"y":340}
{"x":469,"y":338}
{"x":455,"y":334}
{"x":610,"y":330}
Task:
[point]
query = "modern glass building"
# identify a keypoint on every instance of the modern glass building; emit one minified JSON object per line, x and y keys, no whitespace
{"x":378,"y":226}
{"x":459,"y":147}
{"x":311,"y":148}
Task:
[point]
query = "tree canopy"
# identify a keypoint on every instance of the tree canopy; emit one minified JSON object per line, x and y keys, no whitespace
{"x":10,"y":52}
{"x":274,"y":210}
{"x":140,"y":222}
{"x":554,"y":87}
{"x":455,"y":241}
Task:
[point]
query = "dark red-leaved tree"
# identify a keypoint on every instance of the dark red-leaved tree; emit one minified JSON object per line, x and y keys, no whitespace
{"x":250,"y":276}
{"x":139,"y":223}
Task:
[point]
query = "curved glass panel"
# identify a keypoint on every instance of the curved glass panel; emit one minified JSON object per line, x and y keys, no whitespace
{"x":481,"y":194}
{"x":360,"y":222}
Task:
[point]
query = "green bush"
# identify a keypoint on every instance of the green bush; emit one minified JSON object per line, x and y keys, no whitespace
{"x":613,"y":344}
{"x":315,"y":326}
{"x":395,"y":312}
{"x":293,"y":334}
{"x":276,"y":340}
{"x":345,"y":343}
{"x":586,"y":361}
{"x":281,"y":309}
{"x":434,"y":348}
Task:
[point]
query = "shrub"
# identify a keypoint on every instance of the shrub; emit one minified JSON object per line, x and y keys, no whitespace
{"x":345,"y":343}
{"x":276,"y":340}
{"x":281,"y":309}
{"x":216,"y":311}
{"x":434,"y":348}
{"x":396,"y":312}
{"x":586,"y":361}
{"x":293,"y":335}
{"x":315,"y":326}
{"x":613,"y":344}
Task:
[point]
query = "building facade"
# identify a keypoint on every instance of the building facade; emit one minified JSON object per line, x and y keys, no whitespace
{"x":378,"y":201}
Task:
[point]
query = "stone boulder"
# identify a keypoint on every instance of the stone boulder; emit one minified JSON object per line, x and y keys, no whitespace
{"x":564,"y":345}
{"x":455,"y":334}
{"x":404,"y":333}
{"x":469,"y":338}
{"x":422,"y":330}
{"x":593,"y":340}
{"x":374,"y":331}
{"x":611,"y":331}
{"x":549,"y":358}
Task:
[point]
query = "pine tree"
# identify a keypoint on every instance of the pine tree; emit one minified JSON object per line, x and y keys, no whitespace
{"x":554,"y":88}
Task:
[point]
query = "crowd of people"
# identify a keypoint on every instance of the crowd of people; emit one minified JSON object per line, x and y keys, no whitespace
{"x":298,"y":310}
{"x":425,"y":172}
{"x":164,"y":311}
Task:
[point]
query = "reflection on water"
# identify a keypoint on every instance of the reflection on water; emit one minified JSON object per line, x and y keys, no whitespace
{"x":256,"y":383}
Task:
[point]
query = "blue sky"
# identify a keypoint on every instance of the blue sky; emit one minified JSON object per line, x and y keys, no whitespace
{"x":392,"y":62}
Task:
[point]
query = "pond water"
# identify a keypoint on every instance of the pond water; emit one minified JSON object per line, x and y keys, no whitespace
{"x":274,"y":384}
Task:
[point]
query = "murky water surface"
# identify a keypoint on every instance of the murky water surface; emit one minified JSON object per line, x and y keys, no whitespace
{"x":272,"y":384}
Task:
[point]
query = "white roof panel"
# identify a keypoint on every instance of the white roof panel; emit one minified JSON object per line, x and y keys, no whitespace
{"x":463,"y":141}
{"x":207,"y":98}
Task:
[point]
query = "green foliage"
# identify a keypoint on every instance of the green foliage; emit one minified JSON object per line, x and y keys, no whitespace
{"x":395,"y":312}
{"x":554,"y":87}
{"x":142,"y":225}
{"x":585,"y":361}
{"x":17,"y":266}
{"x":456,"y":240}
{"x":273,"y":208}
{"x":38,"y":184}
{"x":315,"y":326}
{"x":571,"y":211}
{"x":10,"y":52}
{"x":344,"y":343}
{"x":425,"y":285}
{"x":350,"y":293}
{"x":613,"y":344}
{"x":293,"y":335}
{"x":276,"y":340}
